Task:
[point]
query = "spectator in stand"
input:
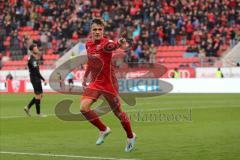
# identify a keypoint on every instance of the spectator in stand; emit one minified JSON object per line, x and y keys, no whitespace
{"x":133,"y":59}
{"x":189,"y":30}
{"x":26,"y":43}
{"x":202,"y":56}
{"x":173,"y":35}
{"x":232,"y":38}
{"x":209,"y":48}
{"x":152,"y":54}
{"x":44,"y":41}
{"x":138,"y":51}
{"x":192,"y":51}
{"x":160,"y":35}
{"x":183,"y":35}
{"x":145,"y":53}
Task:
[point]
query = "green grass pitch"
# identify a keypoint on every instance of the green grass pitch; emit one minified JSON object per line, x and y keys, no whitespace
{"x":202,"y":126}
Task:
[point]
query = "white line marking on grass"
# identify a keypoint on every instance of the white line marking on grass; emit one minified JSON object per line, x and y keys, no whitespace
{"x":9,"y":117}
{"x":62,"y":155}
{"x":136,"y":110}
{"x":12,"y":117}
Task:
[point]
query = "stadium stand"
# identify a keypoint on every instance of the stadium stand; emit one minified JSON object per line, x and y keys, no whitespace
{"x":173,"y":26}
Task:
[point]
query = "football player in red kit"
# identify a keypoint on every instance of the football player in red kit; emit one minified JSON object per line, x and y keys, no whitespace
{"x":103,"y":83}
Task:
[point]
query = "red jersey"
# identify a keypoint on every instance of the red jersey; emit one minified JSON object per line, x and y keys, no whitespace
{"x":100,"y":68}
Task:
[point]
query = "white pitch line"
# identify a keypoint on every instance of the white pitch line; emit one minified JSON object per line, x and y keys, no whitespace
{"x":62,"y":155}
{"x":137,"y":110}
{"x":12,"y":117}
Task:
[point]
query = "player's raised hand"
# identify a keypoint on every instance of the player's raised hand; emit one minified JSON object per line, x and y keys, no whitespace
{"x":121,"y":41}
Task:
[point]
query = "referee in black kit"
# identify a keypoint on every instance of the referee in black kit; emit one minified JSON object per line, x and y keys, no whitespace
{"x":35,"y":77}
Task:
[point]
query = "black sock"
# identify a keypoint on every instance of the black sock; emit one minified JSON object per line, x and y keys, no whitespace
{"x":37,"y":103}
{"x":31,"y":103}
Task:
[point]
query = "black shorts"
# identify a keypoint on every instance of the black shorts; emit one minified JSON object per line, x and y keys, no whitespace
{"x":37,"y":86}
{"x":70,"y":81}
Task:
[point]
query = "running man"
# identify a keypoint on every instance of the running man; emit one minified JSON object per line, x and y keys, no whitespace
{"x":103,"y":82}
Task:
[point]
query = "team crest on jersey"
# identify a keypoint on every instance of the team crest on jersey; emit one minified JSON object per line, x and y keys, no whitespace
{"x":35,"y":64}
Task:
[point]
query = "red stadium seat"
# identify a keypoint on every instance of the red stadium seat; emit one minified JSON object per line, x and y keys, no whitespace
{"x":50,"y":56}
{"x":48,"y":62}
{"x":6,"y":43}
{"x":50,"y":51}
{"x":25,"y":58}
{"x":43,"y":67}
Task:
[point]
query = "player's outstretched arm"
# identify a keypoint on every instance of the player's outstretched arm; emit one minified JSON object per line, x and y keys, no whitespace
{"x":111,"y":45}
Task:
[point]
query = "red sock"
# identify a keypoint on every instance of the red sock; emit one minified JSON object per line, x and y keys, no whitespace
{"x":126,"y":125}
{"x":92,"y":117}
{"x":115,"y":105}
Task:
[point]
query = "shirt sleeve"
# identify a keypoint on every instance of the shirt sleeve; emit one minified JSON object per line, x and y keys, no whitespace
{"x":110,"y":45}
{"x":39,"y":75}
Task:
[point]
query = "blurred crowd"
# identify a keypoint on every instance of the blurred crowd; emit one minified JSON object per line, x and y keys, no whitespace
{"x":205,"y":25}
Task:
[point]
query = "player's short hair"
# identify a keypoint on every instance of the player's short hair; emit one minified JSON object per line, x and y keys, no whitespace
{"x":98,"y":22}
{"x":32,"y":46}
